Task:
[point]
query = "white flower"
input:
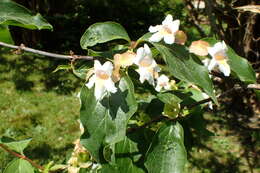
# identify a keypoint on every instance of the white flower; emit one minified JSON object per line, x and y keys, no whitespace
{"x":198,"y":4}
{"x":206,"y":62}
{"x":102,"y":79}
{"x":162,"y":82}
{"x":166,"y":31}
{"x":210,"y":104}
{"x":148,"y":69}
{"x":219,"y":57}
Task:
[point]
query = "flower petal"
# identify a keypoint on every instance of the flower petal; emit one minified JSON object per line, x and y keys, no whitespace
{"x":212,"y":64}
{"x":169,"y":38}
{"x":107,"y":67}
{"x":156,"y":37}
{"x":97,"y":65}
{"x":99,"y":90}
{"x":174,"y":26}
{"x":224,"y":68}
{"x":155,"y":28}
{"x":91,"y":82}
{"x":148,"y":51}
{"x":140,"y":53}
{"x":168,"y":20}
{"x":110,"y":86}
{"x":158,"y":88}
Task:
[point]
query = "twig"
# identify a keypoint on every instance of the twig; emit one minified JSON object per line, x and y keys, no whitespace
{"x":40,"y":52}
{"x":21,"y":156}
{"x":156,"y":119}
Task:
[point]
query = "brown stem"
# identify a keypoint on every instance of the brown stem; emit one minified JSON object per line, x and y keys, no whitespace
{"x":21,"y":156}
{"x":40,"y":52}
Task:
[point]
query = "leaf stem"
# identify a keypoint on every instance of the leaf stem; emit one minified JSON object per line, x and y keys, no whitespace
{"x":21,"y":156}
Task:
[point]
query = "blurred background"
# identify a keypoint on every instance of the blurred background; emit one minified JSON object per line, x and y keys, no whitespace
{"x":37,"y":103}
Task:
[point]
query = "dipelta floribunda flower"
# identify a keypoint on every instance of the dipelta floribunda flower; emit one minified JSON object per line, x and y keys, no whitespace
{"x":166,"y":31}
{"x":219,"y":58}
{"x":102,"y":79}
{"x":147,"y":67}
{"x":162,"y":83}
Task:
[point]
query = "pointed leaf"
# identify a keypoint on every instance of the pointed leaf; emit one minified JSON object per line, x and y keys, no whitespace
{"x":5,"y":35}
{"x":101,"y":33}
{"x":17,"y":146}
{"x":12,"y":13}
{"x":19,"y":166}
{"x":167,"y":153}
{"x":183,"y":66}
{"x":105,"y":121}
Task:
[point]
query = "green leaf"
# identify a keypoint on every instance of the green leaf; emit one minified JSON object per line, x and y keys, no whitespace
{"x":238,"y":64}
{"x":126,"y":152}
{"x":101,"y":33}
{"x":12,"y":13}
{"x":183,"y":66}
{"x":105,"y":121}
{"x":5,"y":35}
{"x":167,"y":153}
{"x":19,"y":166}
{"x":169,"y":98}
{"x":62,"y":67}
{"x":17,"y":146}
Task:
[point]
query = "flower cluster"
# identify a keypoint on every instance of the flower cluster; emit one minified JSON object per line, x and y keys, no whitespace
{"x":105,"y":76}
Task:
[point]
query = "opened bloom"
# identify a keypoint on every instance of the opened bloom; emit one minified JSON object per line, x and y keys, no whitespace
{"x":219,"y":58}
{"x":162,"y":82}
{"x":102,"y":79}
{"x":166,"y":31}
{"x":147,"y":67}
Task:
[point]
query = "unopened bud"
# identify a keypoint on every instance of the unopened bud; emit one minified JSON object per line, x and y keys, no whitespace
{"x":180,"y":37}
{"x":199,"y":48}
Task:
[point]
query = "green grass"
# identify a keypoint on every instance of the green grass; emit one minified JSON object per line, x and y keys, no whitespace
{"x":34,"y":105}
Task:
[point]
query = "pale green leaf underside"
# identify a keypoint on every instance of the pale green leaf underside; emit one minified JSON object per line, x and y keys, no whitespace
{"x":12,"y":13}
{"x":19,"y":166}
{"x":17,"y":146}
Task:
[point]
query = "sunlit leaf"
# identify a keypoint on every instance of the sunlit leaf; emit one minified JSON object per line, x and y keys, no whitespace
{"x":126,"y":152}
{"x":184,"y":66}
{"x":105,"y":121}
{"x":19,"y":166}
{"x":103,"y":32}
{"x":17,"y":146}
{"x":167,"y":152}
{"x":12,"y":13}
